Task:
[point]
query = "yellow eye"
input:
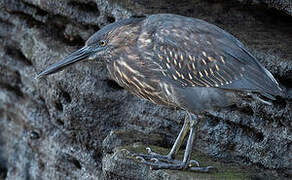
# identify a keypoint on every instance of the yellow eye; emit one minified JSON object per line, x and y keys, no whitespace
{"x":102,"y":43}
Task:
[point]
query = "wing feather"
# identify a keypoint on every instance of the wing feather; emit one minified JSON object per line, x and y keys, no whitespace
{"x":207,"y":56}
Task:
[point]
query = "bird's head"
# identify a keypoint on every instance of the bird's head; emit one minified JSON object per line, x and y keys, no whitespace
{"x":100,"y":45}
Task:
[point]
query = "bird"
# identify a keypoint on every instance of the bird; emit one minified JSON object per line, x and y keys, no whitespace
{"x":177,"y":61}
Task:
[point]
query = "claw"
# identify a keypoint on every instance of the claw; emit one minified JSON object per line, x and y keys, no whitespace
{"x":150,"y":152}
{"x":140,"y":158}
{"x":193,"y":162}
{"x":126,"y":151}
{"x":155,"y":160}
{"x":148,"y":149}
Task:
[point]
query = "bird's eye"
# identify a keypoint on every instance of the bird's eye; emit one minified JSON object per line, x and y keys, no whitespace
{"x":102,"y":43}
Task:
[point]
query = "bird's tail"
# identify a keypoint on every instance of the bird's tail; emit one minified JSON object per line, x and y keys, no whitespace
{"x":266,"y":82}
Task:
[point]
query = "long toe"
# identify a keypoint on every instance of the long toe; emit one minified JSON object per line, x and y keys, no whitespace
{"x":179,"y":166}
{"x":193,"y":163}
{"x":208,"y":169}
{"x":153,"y":156}
{"x":156,"y":155}
{"x":157,"y":161}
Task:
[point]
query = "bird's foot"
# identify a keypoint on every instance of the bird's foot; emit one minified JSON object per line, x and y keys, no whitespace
{"x":179,"y":166}
{"x":157,"y":161}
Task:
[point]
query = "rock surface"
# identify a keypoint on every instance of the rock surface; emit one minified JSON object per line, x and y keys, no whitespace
{"x":60,"y":127}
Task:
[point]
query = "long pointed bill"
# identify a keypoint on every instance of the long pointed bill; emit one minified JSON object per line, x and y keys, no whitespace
{"x":72,"y":58}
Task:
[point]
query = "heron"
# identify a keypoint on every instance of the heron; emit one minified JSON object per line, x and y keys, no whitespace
{"x":180,"y":62}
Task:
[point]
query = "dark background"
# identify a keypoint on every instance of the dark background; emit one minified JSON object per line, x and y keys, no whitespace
{"x":54,"y":128}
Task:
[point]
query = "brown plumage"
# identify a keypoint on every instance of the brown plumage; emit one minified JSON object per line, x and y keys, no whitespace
{"x":177,"y":61}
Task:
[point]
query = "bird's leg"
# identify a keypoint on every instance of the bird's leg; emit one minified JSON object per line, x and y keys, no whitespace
{"x":179,"y":140}
{"x":152,"y":156}
{"x":186,"y":164}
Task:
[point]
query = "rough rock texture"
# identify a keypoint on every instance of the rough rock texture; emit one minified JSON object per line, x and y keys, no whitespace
{"x":56,"y":128}
{"x":282,"y":5}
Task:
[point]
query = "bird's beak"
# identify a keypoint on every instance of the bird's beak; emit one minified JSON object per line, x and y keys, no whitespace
{"x":78,"y":55}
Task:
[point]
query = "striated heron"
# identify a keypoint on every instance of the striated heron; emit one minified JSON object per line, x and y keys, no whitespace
{"x":181,"y":62}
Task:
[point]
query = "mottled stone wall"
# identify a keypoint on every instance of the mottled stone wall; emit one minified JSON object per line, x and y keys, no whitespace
{"x":54,"y":128}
